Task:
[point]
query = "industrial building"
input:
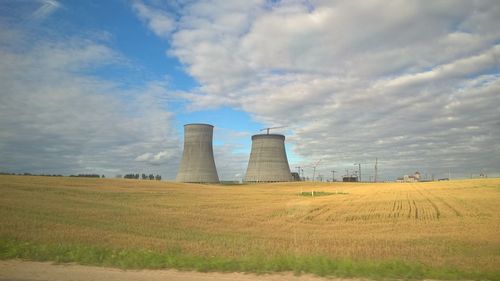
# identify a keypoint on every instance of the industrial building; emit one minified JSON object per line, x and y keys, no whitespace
{"x":296,"y":176}
{"x":350,"y":179}
{"x":409,"y":178}
{"x":198,"y":165}
{"x":268,"y":161}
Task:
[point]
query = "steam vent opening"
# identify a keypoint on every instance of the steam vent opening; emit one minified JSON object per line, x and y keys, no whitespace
{"x":197,"y":164}
{"x":268,"y":161}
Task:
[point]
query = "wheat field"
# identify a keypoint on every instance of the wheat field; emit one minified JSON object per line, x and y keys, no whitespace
{"x":452,"y":224}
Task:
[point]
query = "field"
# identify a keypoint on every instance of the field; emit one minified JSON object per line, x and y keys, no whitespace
{"x":440,"y":230}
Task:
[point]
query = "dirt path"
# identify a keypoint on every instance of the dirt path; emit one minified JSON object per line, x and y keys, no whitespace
{"x":16,"y":270}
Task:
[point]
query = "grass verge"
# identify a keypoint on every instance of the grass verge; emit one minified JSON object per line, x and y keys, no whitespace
{"x":147,"y":259}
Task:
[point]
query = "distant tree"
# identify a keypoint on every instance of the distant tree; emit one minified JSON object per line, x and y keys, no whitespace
{"x":88,"y":176}
{"x":132,"y":176}
{"x":151,"y":177}
{"x":144,"y":176}
{"x":102,"y":176}
{"x":158,"y":177}
{"x":118,"y":176}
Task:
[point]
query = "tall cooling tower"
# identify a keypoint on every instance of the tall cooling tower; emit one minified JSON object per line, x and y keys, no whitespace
{"x":198,"y":165}
{"x":268,"y":162}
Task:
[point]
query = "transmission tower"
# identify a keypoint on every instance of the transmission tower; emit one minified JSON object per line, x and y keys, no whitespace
{"x":299,"y":169}
{"x":314,"y":169}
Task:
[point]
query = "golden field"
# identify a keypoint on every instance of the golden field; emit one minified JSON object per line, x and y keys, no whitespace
{"x":440,"y":224}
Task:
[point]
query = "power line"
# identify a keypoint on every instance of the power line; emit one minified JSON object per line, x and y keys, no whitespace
{"x":314,"y":168}
{"x":298,"y":170}
{"x":359,"y":169}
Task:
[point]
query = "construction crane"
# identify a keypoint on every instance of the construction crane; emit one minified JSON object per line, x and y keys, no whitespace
{"x":272,"y":128}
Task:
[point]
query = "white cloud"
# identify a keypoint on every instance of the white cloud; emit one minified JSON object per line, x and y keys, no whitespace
{"x":47,"y":7}
{"x":488,"y":60}
{"x":157,"y":20}
{"x":397,"y":80}
{"x":161,"y":157}
{"x":144,"y":157}
{"x":413,"y":83}
{"x":54,"y":118}
{"x":230,"y":161}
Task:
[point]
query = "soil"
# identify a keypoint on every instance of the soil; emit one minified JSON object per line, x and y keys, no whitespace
{"x":18,"y":270}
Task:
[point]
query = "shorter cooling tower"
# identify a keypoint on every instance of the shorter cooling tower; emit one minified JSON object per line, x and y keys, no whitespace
{"x":268,"y":162}
{"x":198,"y":165}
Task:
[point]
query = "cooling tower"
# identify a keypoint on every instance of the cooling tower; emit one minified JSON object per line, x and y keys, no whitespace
{"x":198,"y":165}
{"x":268,"y":162}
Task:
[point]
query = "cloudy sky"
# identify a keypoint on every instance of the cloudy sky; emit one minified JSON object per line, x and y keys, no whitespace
{"x":106,"y":86}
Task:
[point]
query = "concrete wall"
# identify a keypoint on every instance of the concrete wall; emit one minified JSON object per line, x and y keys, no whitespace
{"x":198,"y":165}
{"x":268,"y":161}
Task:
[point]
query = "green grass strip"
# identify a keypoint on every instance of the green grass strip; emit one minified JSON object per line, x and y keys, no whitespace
{"x":147,"y":259}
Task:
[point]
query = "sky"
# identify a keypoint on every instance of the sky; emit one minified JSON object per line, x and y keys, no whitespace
{"x":106,"y":86}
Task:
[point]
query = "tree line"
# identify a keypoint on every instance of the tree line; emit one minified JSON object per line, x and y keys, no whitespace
{"x":30,"y":174}
{"x":127,"y":176}
{"x":143,"y":176}
{"x":87,"y":176}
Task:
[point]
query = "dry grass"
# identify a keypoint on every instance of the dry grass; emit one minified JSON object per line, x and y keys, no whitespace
{"x":440,"y":224}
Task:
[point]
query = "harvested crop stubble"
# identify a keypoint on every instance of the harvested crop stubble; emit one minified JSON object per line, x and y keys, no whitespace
{"x":453,"y":224}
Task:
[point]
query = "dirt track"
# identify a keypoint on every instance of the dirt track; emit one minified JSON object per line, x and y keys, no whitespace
{"x":16,"y":270}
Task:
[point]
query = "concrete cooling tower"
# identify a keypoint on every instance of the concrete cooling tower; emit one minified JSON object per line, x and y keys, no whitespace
{"x":268,"y":162}
{"x":198,"y":165}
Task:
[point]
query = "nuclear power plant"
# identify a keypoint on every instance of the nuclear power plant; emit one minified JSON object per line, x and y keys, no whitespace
{"x":268,"y":161}
{"x":198,"y":165}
